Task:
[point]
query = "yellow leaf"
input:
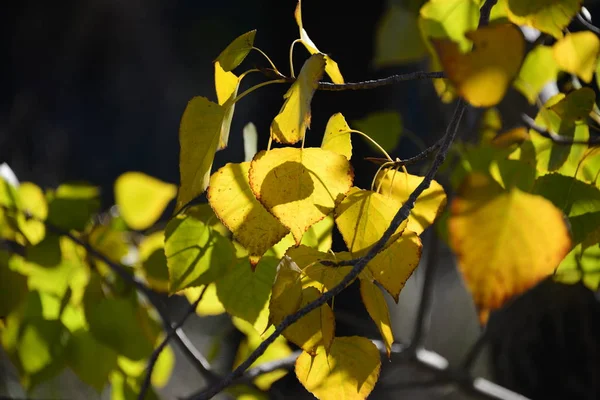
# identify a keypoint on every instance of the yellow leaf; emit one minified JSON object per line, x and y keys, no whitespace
{"x":539,"y":68}
{"x":231,"y":197}
{"x":377,"y":308}
{"x":337,"y":136}
{"x":429,"y":205}
{"x":483,"y":75}
{"x":227,"y":85}
{"x":506,"y":241}
{"x":142,"y":199}
{"x":318,"y":236}
{"x":331,"y":66}
{"x":349,"y":370}
{"x":289,"y":126}
{"x":317,"y":328}
{"x":287,"y":291}
{"x":546,"y":15}
{"x":300,"y":186}
{"x":154,"y":262}
{"x":199,"y":134}
{"x":362,"y":218}
{"x":236,"y":52}
{"x":32,"y":199}
{"x":316,"y":274}
{"x":577,"y":53}
{"x":210,"y":304}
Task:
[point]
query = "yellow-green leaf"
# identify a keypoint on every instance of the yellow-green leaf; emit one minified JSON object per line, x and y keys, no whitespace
{"x":576,"y":106}
{"x":577,"y":53}
{"x":210,"y":303}
{"x":287,"y":290}
{"x":349,"y":370}
{"x":300,"y":186}
{"x":376,"y":306}
{"x":199,"y":134}
{"x":72,"y":205}
{"x":318,"y":236}
{"x":506,"y":241}
{"x":384,"y":127}
{"x":236,"y":52}
{"x":289,"y":126}
{"x":154,"y":262}
{"x":546,"y":15}
{"x":231,"y":197}
{"x":32,"y":200}
{"x":142,"y":198}
{"x":429,"y":205}
{"x":317,"y":328}
{"x":581,"y":264}
{"x":316,"y":274}
{"x":337,"y":136}
{"x":483,"y":75}
{"x":449,"y":19}
{"x":398,"y":39}
{"x":331,"y":67}
{"x":539,"y":68}
{"x":196,"y":253}
{"x":227,"y":85}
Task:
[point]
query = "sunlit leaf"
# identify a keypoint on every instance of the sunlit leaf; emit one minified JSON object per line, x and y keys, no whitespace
{"x":124,"y":387}
{"x":210,"y":303}
{"x":349,"y":370}
{"x":398,"y":22}
{"x":337,"y":136}
{"x":72,"y":205}
{"x":577,"y":53}
{"x":547,"y":16}
{"x":196,"y":253}
{"x":164,"y":365}
{"x":300,"y":186}
{"x":236,"y":51}
{"x":576,"y":106}
{"x":318,"y":236}
{"x":483,"y":75}
{"x":227,"y":85}
{"x":231,"y":197}
{"x":33,"y":201}
{"x":578,"y":200}
{"x":539,"y":69}
{"x":384,"y":127}
{"x":91,"y":360}
{"x":289,"y":126}
{"x":581,"y":264}
{"x":199,"y":134}
{"x":376,"y":306}
{"x":331,"y":68}
{"x":429,"y":205}
{"x":506,"y":241}
{"x":588,"y":169}
{"x":316,"y":274}
{"x":287,"y":290}
{"x":154,"y":262}
{"x":142,"y":198}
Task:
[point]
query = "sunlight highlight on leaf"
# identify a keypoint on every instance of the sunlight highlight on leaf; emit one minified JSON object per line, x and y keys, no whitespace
{"x":577,"y":53}
{"x":289,"y":126}
{"x":227,"y":85}
{"x":539,"y":69}
{"x":547,"y":16}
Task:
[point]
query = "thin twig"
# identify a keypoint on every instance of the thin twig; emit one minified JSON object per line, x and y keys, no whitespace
{"x":156,"y":353}
{"x":407,"y":161}
{"x":558,"y":139}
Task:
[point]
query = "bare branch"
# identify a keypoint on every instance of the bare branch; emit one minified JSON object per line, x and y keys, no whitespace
{"x":172,"y":332}
{"x":558,"y":139}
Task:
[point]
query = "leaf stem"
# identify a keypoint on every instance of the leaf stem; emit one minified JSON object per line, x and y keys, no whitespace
{"x":253,"y":88}
{"x":266,"y":56}
{"x":292,"y":74}
{"x":381,"y":149}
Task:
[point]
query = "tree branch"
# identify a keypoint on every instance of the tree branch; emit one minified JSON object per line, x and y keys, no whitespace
{"x":407,"y":161}
{"x":558,"y":139}
{"x":156,"y":353}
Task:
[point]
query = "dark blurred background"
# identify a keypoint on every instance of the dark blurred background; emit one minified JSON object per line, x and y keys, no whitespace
{"x":93,"y":88}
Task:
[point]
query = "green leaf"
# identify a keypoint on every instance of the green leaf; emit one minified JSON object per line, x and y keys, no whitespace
{"x":91,"y":360}
{"x":384,"y":127}
{"x":33,"y":201}
{"x":576,"y":106}
{"x":581,"y":264}
{"x":236,"y":52}
{"x":538,"y":69}
{"x":578,"y":200}
{"x":72,"y":205}
{"x":398,"y":22}
{"x":199,"y":135}
{"x":154,"y":262}
{"x":196,"y":253}
{"x":13,"y":285}
{"x":142,"y":199}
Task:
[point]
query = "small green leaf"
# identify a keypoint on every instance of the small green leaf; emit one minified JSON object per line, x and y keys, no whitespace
{"x":384,"y":127}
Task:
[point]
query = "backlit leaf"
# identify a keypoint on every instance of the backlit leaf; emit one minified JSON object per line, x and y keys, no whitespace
{"x":337,"y":136}
{"x":231,"y":197}
{"x":546,"y":15}
{"x":483,"y":75}
{"x":91,"y":360}
{"x":429,"y":205}
{"x":236,"y":52}
{"x":349,"y":370}
{"x":588,"y":169}
{"x":33,"y":201}
{"x":287,"y":290}
{"x":199,"y":134}
{"x":318,"y":236}
{"x":142,"y":198}
{"x":210,"y":303}
{"x":577,"y":53}
{"x":300,"y":186}
{"x":196,"y":253}
{"x":398,"y":22}
{"x":576,"y":106}
{"x":376,"y":306}
{"x":13,"y":285}
{"x":539,"y":69}
{"x":289,"y":126}
{"x":331,"y":67}
{"x":154,"y":262}
{"x":316,"y":274}
{"x":72,"y":205}
{"x":506,"y":241}
{"x":227,"y":85}
{"x":581,"y":264}
{"x":384,"y":127}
